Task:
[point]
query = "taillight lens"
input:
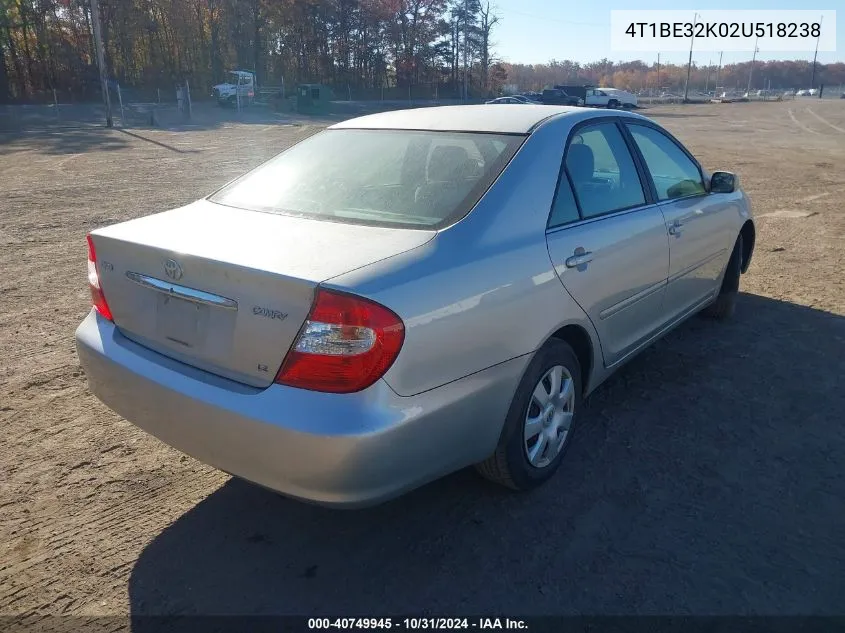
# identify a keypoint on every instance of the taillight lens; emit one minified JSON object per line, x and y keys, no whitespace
{"x":98,"y":299}
{"x":346,"y":344}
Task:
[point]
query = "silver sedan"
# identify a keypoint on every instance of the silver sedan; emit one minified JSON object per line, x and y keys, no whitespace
{"x":409,"y":293}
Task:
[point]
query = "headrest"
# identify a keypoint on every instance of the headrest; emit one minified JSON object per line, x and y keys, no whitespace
{"x":581,"y":162}
{"x":448,"y":162}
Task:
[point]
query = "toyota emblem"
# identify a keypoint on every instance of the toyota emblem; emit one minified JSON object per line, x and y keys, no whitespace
{"x":172,"y":269}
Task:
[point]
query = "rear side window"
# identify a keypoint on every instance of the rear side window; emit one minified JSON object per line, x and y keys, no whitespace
{"x":564,"y":210}
{"x":674,"y":174}
{"x":602,"y":171}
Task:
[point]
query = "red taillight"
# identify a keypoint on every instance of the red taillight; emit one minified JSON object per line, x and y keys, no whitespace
{"x":346,"y":344}
{"x":98,"y":299}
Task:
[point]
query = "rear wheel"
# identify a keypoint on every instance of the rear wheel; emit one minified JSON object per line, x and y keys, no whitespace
{"x":613,"y":103}
{"x":539,"y":425}
{"x":725,"y":304}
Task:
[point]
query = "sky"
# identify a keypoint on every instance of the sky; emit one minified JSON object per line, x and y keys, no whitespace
{"x":536,"y":31}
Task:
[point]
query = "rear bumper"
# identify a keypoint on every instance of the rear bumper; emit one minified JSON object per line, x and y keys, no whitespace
{"x":334,"y":449}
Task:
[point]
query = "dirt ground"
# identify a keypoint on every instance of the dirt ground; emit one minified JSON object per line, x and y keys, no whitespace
{"x":706,"y":478}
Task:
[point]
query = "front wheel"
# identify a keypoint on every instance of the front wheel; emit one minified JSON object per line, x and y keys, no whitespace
{"x":725,"y":304}
{"x":539,"y":424}
{"x":613,"y":103}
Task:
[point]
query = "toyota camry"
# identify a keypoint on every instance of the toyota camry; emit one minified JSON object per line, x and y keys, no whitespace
{"x":410,"y":293}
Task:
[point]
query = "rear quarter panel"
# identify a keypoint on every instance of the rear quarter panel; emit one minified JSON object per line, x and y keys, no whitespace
{"x":484,"y":290}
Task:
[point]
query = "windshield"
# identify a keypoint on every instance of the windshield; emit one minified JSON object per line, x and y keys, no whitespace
{"x":380,"y":177}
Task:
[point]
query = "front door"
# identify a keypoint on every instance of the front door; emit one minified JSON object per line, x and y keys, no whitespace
{"x":607,"y":243}
{"x":696,"y":222}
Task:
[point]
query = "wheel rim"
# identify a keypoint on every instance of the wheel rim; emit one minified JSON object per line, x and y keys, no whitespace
{"x":549,"y":416}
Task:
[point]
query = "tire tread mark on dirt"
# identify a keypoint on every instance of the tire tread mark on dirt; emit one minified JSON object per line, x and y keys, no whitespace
{"x":801,"y":125}
{"x":826,"y":122}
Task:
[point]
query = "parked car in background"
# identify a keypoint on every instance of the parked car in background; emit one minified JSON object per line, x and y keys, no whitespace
{"x":408,"y":293}
{"x":524,"y":99}
{"x":732,"y":96}
{"x":512,"y":100}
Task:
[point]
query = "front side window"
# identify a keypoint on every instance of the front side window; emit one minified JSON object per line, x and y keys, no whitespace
{"x":674,"y":174}
{"x":602,"y":171}
{"x":378,"y":177}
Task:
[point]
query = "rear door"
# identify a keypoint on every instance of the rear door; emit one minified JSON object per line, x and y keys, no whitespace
{"x":698,"y":225}
{"x":607,"y":240}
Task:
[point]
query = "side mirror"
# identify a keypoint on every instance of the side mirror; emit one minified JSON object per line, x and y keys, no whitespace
{"x":723,"y":182}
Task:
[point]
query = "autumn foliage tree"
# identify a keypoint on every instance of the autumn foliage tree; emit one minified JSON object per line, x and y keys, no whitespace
{"x":149,"y":44}
{"x":357,"y":46}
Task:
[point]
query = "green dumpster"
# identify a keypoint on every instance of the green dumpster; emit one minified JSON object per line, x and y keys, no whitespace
{"x":313,"y":98}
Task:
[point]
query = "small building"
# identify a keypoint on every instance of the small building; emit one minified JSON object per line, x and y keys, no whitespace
{"x":313,"y":98}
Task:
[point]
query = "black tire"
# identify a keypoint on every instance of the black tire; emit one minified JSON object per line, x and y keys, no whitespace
{"x":509,"y":464}
{"x":725,"y":304}
{"x":613,"y":103}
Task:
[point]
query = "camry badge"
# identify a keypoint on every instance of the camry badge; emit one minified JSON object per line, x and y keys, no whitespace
{"x":269,"y":313}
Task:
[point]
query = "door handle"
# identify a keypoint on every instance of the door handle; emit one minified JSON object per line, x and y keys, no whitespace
{"x":580,"y":258}
{"x":675,"y":229}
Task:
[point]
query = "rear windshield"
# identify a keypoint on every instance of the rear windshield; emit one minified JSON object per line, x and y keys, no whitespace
{"x":379,"y":177}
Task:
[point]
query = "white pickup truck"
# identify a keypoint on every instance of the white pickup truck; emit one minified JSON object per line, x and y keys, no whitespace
{"x":623,"y":98}
{"x":240,"y":88}
{"x":601,"y":97}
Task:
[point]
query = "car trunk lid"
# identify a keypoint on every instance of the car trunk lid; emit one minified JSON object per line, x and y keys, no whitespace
{"x":227,"y":290}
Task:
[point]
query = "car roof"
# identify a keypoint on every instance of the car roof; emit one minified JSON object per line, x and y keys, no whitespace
{"x":462,"y":118}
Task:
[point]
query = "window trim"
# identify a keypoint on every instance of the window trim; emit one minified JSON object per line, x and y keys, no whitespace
{"x":679,"y":145}
{"x":645,"y":179}
{"x":599,"y":218}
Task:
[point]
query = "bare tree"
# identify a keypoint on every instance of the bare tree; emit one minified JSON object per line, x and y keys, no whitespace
{"x":487,"y":21}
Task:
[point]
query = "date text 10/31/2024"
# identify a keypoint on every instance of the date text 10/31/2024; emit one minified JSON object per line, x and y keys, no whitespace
{"x":413,"y":624}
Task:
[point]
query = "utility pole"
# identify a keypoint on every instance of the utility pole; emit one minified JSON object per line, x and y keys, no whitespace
{"x":101,"y":61}
{"x":707,"y":81}
{"x":751,"y":72}
{"x":718,"y":69}
{"x":816,"y":54}
{"x":658,"y":74}
{"x":689,"y":63}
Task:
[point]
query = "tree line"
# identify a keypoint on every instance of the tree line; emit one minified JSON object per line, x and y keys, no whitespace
{"x":640,"y":76}
{"x":149,"y":44}
{"x":359,"y":47}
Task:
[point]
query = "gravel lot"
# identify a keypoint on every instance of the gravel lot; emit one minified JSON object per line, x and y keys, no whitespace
{"x":706,"y":479}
